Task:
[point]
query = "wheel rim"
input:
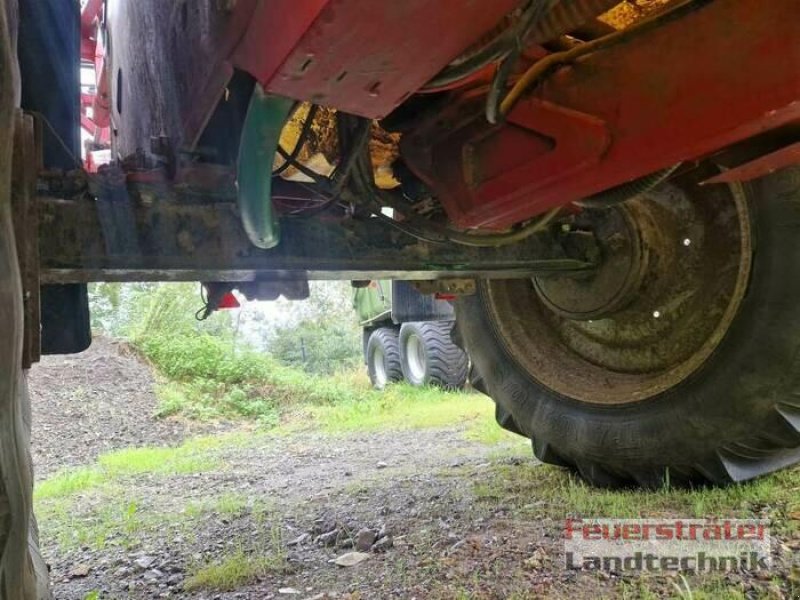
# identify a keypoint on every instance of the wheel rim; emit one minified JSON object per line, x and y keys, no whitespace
{"x":379,"y":367}
{"x":679,"y":258}
{"x":415,"y":356}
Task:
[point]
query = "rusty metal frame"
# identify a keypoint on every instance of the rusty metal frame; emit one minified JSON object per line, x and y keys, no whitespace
{"x":130,"y":231}
{"x":26,"y":165}
{"x":614,"y":116}
{"x":760,"y":167}
{"x":724,"y":73}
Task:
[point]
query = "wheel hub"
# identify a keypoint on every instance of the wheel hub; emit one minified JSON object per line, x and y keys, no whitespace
{"x":674,"y":269}
{"x":614,"y":283}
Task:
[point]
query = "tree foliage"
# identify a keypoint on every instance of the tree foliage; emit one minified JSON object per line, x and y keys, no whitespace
{"x":319,"y":335}
{"x":140,"y":310}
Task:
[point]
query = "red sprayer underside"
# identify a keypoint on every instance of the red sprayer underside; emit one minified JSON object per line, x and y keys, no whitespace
{"x":361,"y":56}
{"x":726,"y":72}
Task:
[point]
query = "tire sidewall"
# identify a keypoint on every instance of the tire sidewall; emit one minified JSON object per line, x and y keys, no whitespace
{"x":727,"y":399}
{"x":407,"y":331}
{"x":378,"y":341}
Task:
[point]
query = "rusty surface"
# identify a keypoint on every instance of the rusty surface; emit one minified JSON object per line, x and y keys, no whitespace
{"x":617,"y":280}
{"x":645,"y":92}
{"x":136,"y":231}
{"x":759,"y":167}
{"x":321,"y":152}
{"x":172,"y":57}
{"x":625,"y":14}
{"x":322,"y":138}
{"x":446,"y":287}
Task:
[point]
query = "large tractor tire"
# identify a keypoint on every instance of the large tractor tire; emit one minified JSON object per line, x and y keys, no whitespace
{"x":677,"y":361}
{"x":429,"y":356}
{"x":23,"y":574}
{"x":383,"y":357}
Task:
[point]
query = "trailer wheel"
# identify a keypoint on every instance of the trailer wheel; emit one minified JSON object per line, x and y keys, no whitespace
{"x":429,"y":356}
{"x":677,"y":360}
{"x":383,"y":357}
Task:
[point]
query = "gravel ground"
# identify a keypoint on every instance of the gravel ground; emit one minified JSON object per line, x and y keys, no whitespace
{"x":100,"y":400}
{"x":310,"y":497}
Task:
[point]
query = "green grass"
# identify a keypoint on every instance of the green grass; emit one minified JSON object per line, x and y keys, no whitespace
{"x":115,"y":518}
{"x":213,"y":381}
{"x":112,"y":516}
{"x":205,"y":400}
{"x":265,"y":556}
{"x":69,"y":482}
{"x":715,"y":590}
{"x":194,"y":456}
{"x":92,"y":506}
{"x":227,"y":504}
{"x":403,"y":407}
{"x":400,"y":407}
{"x":538,"y":490}
{"x":170,"y":461}
{"x":204,"y":379}
{"x":231,"y":504}
{"x":233,"y":571}
{"x":709,"y":587}
{"x":486,"y":431}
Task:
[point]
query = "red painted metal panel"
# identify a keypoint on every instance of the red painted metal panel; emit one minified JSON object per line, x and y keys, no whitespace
{"x":763,"y":165}
{"x":93,"y":50}
{"x":90,"y":14}
{"x":360,"y":56}
{"x":723,"y":74}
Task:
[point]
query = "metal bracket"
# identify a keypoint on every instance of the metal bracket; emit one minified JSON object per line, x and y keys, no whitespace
{"x":759,"y":167}
{"x":448,"y":287}
{"x":26,"y":163}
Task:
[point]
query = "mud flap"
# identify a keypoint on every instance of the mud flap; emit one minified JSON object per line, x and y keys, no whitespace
{"x":65,"y":319}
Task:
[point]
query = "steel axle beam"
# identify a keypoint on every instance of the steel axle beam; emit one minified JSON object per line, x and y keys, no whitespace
{"x":165,"y":234}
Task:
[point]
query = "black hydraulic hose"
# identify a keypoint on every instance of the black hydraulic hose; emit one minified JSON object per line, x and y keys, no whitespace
{"x":540,"y":69}
{"x":627,"y":191}
{"x":563,"y":17}
{"x":539,"y":9}
{"x":412,"y":225}
{"x":290,"y":158}
{"x":353,"y":145}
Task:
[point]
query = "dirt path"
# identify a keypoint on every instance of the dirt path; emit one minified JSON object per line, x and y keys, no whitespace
{"x":454,"y":518}
{"x":303,"y":486}
{"x":90,"y":403}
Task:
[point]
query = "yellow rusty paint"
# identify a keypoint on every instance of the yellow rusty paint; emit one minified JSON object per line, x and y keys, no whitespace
{"x":322,"y":139}
{"x":626,"y":14}
{"x":321,"y":147}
